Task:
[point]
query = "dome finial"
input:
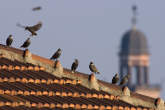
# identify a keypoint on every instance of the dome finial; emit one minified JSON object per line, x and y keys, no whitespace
{"x":134,"y":19}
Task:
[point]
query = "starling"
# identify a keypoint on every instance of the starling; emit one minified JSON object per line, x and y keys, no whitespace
{"x":9,"y":40}
{"x":37,"y":8}
{"x":74,"y":65}
{"x":32,"y":29}
{"x":26,"y":43}
{"x":57,"y":54}
{"x":124,"y":80}
{"x":93,"y":68}
{"x":115,"y":79}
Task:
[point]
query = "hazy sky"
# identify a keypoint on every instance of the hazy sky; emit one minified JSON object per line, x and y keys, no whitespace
{"x":89,"y":30}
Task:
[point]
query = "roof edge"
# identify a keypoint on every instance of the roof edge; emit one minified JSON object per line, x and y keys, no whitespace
{"x":49,"y":65}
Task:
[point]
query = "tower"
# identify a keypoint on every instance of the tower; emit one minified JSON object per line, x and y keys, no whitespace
{"x":134,"y":55}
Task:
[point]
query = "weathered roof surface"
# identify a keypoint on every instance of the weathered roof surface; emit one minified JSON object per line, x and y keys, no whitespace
{"x":134,"y":42}
{"x":28,"y":81}
{"x":20,"y":82}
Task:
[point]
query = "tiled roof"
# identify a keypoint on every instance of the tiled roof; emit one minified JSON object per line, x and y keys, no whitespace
{"x":32,"y":84}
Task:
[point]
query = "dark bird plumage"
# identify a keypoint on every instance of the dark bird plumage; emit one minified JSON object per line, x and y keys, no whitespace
{"x":9,"y":40}
{"x":57,"y":54}
{"x":32,"y":29}
{"x":124,"y":80}
{"x":26,"y":43}
{"x":93,"y":68}
{"x":74,"y":65}
{"x":37,"y":8}
{"x":115,"y":79}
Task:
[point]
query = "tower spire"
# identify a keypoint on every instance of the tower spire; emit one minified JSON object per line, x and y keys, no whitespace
{"x":134,"y":18}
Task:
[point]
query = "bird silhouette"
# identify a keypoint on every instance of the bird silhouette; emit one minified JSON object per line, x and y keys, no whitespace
{"x":115,"y":79}
{"x":74,"y":65}
{"x":26,"y":43}
{"x":125,"y":79}
{"x":37,"y":8}
{"x":9,"y":40}
{"x":32,"y":29}
{"x":56,"y":55}
{"x":93,"y":68}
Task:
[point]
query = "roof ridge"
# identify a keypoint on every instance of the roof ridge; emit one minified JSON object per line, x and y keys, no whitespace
{"x":88,"y":81}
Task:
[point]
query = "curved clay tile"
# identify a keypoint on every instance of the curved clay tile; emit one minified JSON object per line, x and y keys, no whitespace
{"x":37,"y":81}
{"x":17,"y":68}
{"x":65,"y":105}
{"x":24,"y":80}
{"x":45,"y":93}
{"x":4,"y":67}
{"x":23,"y":68}
{"x":36,"y":68}
{"x":49,"y":81}
{"x":32,"y":93}
{"x":51,"y":93}
{"x":30,"y":68}
{"x":31,"y":80}
{"x":11,"y":79}
{"x":7,"y":92}
{"x":10,"y":67}
{"x":43,"y":81}
{"x":46,"y":105}
{"x":18,"y":79}
{"x":5,"y":79}
{"x":26,"y":93}
{"x":52,"y":105}
{"x":39,"y":93}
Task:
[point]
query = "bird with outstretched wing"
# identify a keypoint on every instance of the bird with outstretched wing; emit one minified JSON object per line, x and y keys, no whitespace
{"x":32,"y":29}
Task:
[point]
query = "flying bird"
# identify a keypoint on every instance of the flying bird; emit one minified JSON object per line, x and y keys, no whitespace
{"x":56,"y":55}
{"x":74,"y":65}
{"x":124,"y":80}
{"x":37,"y":8}
{"x":26,"y":43}
{"x":115,"y":79}
{"x":93,"y":68}
{"x":32,"y":29}
{"x":9,"y":40}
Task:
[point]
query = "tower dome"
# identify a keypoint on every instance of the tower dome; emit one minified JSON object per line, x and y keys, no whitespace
{"x":134,"y":60}
{"x":134,"y":42}
{"x":134,"y":54}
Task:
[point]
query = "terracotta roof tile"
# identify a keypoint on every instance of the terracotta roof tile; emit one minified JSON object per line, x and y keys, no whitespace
{"x":28,"y":86}
{"x":27,"y":89}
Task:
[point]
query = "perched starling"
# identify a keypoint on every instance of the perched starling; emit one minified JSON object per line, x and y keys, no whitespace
{"x":115,"y":79}
{"x":57,"y":54}
{"x":124,"y":80}
{"x":74,"y":65}
{"x":37,"y":8}
{"x":9,"y":40}
{"x":32,"y":29}
{"x":26,"y":43}
{"x":93,"y":68}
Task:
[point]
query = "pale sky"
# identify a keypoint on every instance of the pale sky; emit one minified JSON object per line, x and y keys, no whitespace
{"x":90,"y":30}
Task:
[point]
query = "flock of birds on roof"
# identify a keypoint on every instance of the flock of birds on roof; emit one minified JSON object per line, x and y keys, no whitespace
{"x":57,"y":54}
{"x":31,"y":29}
